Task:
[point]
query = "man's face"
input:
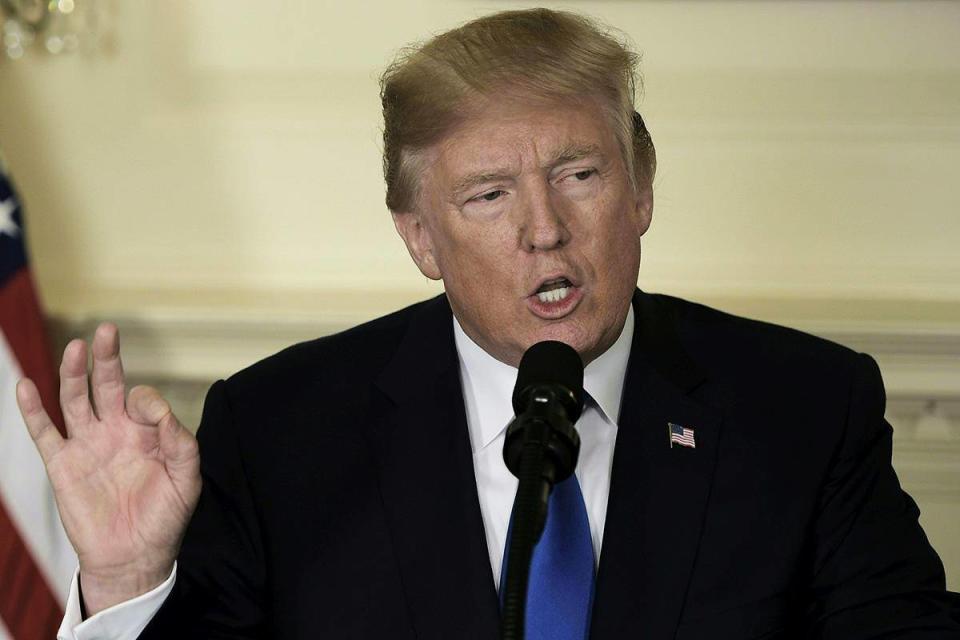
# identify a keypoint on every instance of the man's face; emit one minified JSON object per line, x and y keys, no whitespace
{"x":528,"y":215}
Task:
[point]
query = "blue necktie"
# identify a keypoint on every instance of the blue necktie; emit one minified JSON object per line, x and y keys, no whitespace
{"x":560,"y":591}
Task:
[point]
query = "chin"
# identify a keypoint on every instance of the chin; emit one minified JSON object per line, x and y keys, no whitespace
{"x":567,"y":333}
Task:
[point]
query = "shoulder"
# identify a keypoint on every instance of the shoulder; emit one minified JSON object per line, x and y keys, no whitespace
{"x":786,"y":393}
{"x":761,"y":362}
{"x":341,"y":362}
{"x":714,"y":336}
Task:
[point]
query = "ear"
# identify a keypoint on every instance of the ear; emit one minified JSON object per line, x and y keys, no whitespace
{"x":419,"y":243}
{"x":644,"y":207}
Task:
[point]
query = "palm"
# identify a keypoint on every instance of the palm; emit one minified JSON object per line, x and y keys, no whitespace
{"x":127,"y":478}
{"x":116,"y":499}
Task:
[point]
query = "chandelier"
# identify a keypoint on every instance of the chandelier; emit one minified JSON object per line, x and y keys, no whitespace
{"x":52,"y":27}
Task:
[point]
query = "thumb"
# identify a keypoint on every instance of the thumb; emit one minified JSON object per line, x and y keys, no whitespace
{"x":181,"y":457}
{"x":178,"y":446}
{"x":181,"y":454}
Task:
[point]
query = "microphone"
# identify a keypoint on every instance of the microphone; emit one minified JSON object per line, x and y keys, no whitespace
{"x":541,"y":449}
{"x":547,"y":401}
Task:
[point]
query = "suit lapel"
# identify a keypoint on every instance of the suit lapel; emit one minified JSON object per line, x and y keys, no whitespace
{"x":428,"y":484}
{"x":658,"y":493}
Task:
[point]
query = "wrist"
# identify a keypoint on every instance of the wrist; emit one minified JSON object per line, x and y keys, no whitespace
{"x":102,"y":590}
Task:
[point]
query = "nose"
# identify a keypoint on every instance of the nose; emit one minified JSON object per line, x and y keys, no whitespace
{"x":542,"y":226}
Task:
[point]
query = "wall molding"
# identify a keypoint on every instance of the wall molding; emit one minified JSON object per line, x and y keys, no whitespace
{"x":183,"y":352}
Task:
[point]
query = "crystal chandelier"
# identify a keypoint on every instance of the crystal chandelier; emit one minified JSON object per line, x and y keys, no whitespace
{"x":53,"y":27}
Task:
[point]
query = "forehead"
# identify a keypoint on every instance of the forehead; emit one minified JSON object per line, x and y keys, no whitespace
{"x":521,"y":137}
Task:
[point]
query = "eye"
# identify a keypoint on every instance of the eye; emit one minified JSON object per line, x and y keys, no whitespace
{"x":579,"y":183}
{"x":578,"y":180}
{"x":489,"y":196}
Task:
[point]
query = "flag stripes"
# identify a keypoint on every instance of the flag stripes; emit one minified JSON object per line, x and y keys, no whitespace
{"x":36,"y":560}
{"x":22,"y":327}
{"x":681,"y":435}
{"x":28,"y":607}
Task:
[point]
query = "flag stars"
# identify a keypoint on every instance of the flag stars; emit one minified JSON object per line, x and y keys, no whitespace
{"x":7,"y":224}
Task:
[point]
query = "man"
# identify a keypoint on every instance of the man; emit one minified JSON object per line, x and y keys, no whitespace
{"x":735,"y":476}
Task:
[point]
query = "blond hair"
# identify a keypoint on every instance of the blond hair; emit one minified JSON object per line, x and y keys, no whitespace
{"x":530,"y":54}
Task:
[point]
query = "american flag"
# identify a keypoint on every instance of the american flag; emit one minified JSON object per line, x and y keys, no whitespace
{"x":681,"y":435}
{"x":36,"y":560}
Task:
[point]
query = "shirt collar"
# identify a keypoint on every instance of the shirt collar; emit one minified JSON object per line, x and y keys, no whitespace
{"x":488,"y":383}
{"x":603,"y":378}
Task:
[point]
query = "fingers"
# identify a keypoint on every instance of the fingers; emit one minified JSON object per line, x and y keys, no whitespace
{"x":146,"y":406}
{"x":107,"y":376}
{"x":41,"y":427}
{"x":74,"y":398}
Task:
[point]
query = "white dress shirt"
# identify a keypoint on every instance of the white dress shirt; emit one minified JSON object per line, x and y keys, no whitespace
{"x":487,"y":391}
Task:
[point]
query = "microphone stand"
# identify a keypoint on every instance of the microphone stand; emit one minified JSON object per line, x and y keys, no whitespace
{"x":541,"y":449}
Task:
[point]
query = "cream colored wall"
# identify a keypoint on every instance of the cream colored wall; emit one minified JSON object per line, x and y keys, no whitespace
{"x":807,"y":149}
{"x":213,"y":183}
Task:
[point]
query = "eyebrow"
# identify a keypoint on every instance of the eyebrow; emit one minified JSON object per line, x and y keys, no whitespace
{"x":475,"y":179}
{"x":568,"y":153}
{"x":572,"y":152}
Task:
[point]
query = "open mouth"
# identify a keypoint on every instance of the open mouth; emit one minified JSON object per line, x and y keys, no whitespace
{"x":554,"y":290}
{"x":555,"y":298}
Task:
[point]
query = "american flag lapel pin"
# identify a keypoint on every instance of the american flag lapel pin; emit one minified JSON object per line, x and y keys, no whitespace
{"x":681,"y":436}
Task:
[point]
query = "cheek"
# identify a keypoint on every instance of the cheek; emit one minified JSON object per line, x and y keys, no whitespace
{"x":471,"y":248}
{"x":615,"y":254}
{"x":478,"y":268}
{"x":615,"y":234}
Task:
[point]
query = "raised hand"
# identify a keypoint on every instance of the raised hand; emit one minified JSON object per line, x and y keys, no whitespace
{"x":127,"y":477}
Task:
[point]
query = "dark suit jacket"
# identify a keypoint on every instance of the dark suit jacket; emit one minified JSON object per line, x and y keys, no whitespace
{"x":339,"y":497}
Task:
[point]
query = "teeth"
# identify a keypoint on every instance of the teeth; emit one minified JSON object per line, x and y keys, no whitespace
{"x":554,"y":296}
